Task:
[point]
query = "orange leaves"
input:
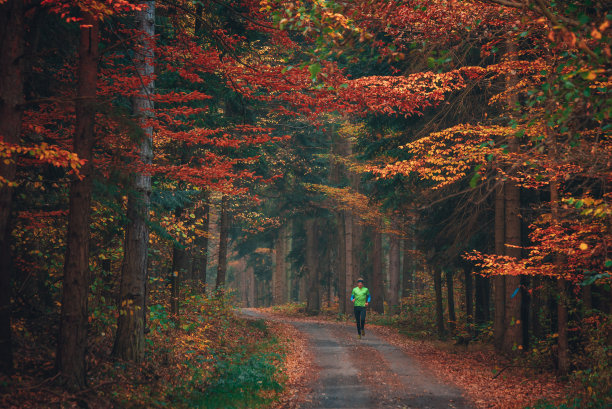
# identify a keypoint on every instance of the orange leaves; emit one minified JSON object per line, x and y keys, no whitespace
{"x":447,"y":156}
{"x":347,"y":199}
{"x":43,"y":153}
{"x":404,"y":95}
{"x":580,"y":240}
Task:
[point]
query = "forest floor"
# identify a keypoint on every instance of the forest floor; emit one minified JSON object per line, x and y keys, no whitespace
{"x":212,"y":359}
{"x":388,"y":370}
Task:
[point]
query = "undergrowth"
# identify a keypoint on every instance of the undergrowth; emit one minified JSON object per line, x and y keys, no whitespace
{"x":209,"y":358}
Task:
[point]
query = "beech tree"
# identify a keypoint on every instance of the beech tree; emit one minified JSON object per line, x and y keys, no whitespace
{"x":129,"y":341}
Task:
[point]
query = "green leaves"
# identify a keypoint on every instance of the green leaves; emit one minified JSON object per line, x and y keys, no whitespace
{"x":314,"y":70}
{"x":474,"y":180}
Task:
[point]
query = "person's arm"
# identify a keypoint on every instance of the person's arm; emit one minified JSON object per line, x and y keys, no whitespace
{"x":369,"y":298}
{"x":353,"y":296}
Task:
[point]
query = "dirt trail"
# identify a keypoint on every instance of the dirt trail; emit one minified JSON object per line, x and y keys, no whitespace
{"x":368,"y":372}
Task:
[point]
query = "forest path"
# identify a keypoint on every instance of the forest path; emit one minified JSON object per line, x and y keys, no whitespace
{"x":368,"y":372}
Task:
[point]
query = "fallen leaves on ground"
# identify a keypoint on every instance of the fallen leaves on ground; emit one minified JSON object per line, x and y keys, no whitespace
{"x":298,"y":366}
{"x":473,"y":371}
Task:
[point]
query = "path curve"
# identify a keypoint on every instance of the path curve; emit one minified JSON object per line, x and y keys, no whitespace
{"x":367,"y":373}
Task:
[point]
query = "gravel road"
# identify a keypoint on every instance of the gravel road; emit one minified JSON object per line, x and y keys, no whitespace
{"x":368,"y":372}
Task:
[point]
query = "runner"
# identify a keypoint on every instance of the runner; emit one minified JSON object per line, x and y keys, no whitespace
{"x":361,"y":299}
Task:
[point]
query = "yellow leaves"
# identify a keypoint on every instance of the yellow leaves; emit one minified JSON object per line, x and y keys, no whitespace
{"x":584,"y":246}
{"x":591,"y":75}
{"x":349,"y":199}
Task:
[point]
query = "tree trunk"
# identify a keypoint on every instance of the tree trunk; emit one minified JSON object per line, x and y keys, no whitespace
{"x":536,"y":307}
{"x":349,"y":236}
{"x":469,"y":305}
{"x":482,"y":299}
{"x":452,"y":317}
{"x":312,"y":299}
{"x":200,"y":260}
{"x":224,"y":227}
{"x":587,"y":297}
{"x":394,"y":268}
{"x":343,"y":285}
{"x":377,"y":289}
{"x":439,"y":307}
{"x":129,"y":340}
{"x":72,"y":343}
{"x":279,"y":278}
{"x":499,"y":282}
{"x":357,"y":253}
{"x":180,"y":269}
{"x":513,"y":337}
{"x":12,"y":28}
{"x":407,"y":270}
{"x":563,"y":361}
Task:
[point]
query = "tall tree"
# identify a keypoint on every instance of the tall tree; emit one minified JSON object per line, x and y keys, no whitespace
{"x":313,"y":305}
{"x":563,"y":361}
{"x":279,"y":276}
{"x":499,"y":281}
{"x":343,"y":283}
{"x":408,"y":268}
{"x":223,"y":243}
{"x":469,"y":299}
{"x":513,"y":335}
{"x":12,"y":28}
{"x":377,"y":284}
{"x":72,"y":343}
{"x":450,"y":302}
{"x":129,"y":340}
{"x":437,"y":275}
{"x":200,"y":258}
{"x":394,"y":266}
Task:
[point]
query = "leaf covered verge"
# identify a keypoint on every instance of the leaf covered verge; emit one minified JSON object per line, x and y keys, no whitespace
{"x":212,"y":358}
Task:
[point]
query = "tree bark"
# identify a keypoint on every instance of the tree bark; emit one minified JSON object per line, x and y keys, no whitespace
{"x":439,"y":306}
{"x":452,"y":317}
{"x":129,"y":340}
{"x":72,"y":343}
{"x":279,"y":277}
{"x":499,"y":282}
{"x":407,"y":270}
{"x":312,"y":299}
{"x":349,"y":256}
{"x":536,"y":307}
{"x":469,"y":305}
{"x":482,"y":299}
{"x":223,"y":233}
{"x":377,"y":289}
{"x":12,"y":30}
{"x":200,"y":260}
{"x":343,"y":285}
{"x":563,"y":361}
{"x":513,"y":337}
{"x":394,"y":268}
{"x":587,"y":297}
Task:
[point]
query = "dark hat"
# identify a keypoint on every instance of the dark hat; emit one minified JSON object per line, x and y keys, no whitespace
{"x":360,"y":280}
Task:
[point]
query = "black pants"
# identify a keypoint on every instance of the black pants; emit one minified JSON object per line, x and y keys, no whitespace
{"x":360,"y":314}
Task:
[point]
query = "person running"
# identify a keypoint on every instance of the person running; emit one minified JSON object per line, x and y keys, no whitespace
{"x":361,"y":299}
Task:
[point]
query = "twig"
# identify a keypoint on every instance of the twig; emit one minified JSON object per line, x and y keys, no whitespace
{"x":41,"y":383}
{"x":513,"y":366}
